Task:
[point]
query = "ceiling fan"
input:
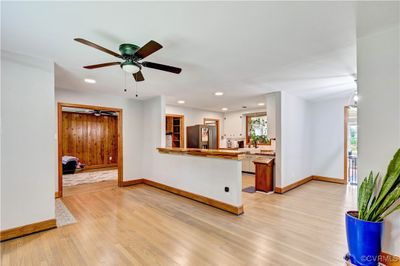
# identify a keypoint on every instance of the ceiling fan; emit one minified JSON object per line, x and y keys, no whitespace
{"x":102,"y":113}
{"x":132,"y":54}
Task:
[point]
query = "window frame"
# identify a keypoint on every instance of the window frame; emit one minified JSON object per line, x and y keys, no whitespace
{"x":248,"y":119}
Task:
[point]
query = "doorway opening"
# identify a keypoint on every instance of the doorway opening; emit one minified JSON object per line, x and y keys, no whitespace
{"x":351,"y":144}
{"x":174,"y":131}
{"x":89,"y":146}
{"x":213,"y":122}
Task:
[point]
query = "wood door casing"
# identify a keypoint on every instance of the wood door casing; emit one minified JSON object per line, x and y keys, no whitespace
{"x":169,"y":129}
{"x":92,"y":139}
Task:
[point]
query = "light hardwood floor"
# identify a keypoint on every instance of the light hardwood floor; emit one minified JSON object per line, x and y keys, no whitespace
{"x":248,"y":180}
{"x":142,"y":225}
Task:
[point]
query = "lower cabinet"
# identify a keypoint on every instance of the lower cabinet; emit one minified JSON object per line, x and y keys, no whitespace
{"x":247,"y":163}
{"x":252,"y":167}
{"x":264,"y":174}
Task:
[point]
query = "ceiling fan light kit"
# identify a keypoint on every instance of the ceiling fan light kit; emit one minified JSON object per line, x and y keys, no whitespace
{"x":131,"y":66}
{"x":132,"y":54}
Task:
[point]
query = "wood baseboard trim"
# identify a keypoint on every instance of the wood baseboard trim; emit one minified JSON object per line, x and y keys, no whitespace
{"x":57,"y":194}
{"x":215,"y":203}
{"x":389,"y":260}
{"x":27,"y":229}
{"x":280,"y":190}
{"x":132,"y":182}
{"x":292,"y":186}
{"x":100,"y":166}
{"x":328,"y":179}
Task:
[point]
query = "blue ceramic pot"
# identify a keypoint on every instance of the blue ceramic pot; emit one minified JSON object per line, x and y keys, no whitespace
{"x":363,"y":239}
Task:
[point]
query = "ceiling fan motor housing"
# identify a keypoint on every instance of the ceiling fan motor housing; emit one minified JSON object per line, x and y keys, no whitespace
{"x":128,"y":50}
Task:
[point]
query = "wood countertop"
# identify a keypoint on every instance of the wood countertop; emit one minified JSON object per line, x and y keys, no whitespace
{"x":223,"y":154}
{"x":268,"y":161}
{"x":264,"y":153}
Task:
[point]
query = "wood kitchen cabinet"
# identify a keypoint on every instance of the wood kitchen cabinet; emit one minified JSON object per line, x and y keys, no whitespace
{"x":264,"y":174}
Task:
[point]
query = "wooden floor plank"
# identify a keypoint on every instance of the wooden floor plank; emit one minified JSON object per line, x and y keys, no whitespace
{"x":142,"y":225}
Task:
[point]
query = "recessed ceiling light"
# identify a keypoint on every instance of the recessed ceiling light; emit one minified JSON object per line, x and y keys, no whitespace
{"x":224,"y":109}
{"x":261,"y":104}
{"x":181,"y":101}
{"x":218,"y":93}
{"x":90,"y":81}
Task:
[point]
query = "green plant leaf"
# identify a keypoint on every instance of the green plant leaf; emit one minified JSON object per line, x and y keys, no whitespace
{"x":391,"y":211}
{"x":366,"y":190}
{"x":361,"y":192}
{"x":390,"y":182}
{"x":387,"y":203}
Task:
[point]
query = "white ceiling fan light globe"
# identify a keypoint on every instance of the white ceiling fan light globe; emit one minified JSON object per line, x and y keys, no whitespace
{"x":130,"y":67}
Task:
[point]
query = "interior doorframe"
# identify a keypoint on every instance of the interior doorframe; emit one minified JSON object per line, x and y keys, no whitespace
{"x":182,"y":139}
{"x":346,"y":120}
{"x":60,"y":105}
{"x":218,"y":128}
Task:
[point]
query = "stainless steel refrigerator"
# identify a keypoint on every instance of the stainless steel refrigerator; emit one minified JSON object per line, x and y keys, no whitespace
{"x":201,"y":137}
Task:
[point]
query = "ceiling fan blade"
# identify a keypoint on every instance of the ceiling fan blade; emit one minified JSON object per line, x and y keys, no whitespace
{"x":102,"y":65}
{"x":107,"y":113}
{"x":148,"y":49}
{"x":86,"y":42}
{"x":172,"y":69}
{"x":138,"y":76}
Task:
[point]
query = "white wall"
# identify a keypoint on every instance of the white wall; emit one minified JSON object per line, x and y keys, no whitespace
{"x":327,"y":137}
{"x":379,"y":113}
{"x":200,"y":175}
{"x":194,"y":116}
{"x":273,"y":106}
{"x":154,"y":114}
{"x":309,"y":137}
{"x":132,"y":124}
{"x":28,"y":144}
{"x":295,"y":136}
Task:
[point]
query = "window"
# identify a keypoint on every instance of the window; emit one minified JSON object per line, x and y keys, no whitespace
{"x":256,"y":128}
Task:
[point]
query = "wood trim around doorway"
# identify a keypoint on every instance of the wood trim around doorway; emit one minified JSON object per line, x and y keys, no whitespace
{"x":346,"y":122}
{"x":182,"y":130}
{"x":60,"y":105}
{"x":218,"y":128}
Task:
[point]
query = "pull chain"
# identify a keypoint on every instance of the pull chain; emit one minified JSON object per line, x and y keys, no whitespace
{"x":125,"y":90}
{"x":137,"y":95}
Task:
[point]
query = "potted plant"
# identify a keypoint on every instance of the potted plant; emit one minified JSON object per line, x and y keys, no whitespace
{"x":257,"y":125}
{"x":377,"y":198}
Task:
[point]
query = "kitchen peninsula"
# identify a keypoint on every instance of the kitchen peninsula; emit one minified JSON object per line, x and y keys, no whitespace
{"x":211,"y":153}
{"x":213,"y":177}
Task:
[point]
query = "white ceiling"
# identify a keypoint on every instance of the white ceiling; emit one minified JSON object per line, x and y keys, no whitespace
{"x":244,"y":49}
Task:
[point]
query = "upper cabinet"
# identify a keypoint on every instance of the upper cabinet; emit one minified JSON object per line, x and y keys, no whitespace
{"x":233,"y":126}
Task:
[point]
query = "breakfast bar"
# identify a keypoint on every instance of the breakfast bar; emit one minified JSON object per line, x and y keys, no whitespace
{"x":213,"y":177}
{"x":217,"y":153}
